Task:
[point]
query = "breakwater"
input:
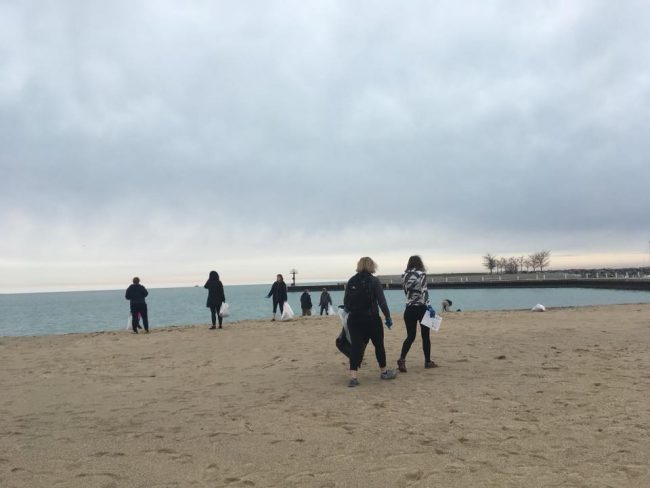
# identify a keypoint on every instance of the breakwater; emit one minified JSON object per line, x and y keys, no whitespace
{"x":641,"y":284}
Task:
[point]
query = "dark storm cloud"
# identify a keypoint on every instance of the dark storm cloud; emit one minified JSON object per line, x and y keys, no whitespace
{"x":522,"y":121}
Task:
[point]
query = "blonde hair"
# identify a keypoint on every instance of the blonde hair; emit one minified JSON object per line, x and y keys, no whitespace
{"x":366,"y":264}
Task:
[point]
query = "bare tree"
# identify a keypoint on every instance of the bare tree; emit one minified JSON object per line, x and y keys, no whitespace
{"x":501,"y":264}
{"x":544,"y":259}
{"x":541,"y":260}
{"x":490,"y":262}
{"x":529,"y":264}
{"x":512,"y":265}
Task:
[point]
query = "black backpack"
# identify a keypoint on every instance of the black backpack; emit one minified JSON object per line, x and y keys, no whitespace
{"x":359,"y":295}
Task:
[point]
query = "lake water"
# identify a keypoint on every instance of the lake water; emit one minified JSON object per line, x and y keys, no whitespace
{"x":92,"y":311}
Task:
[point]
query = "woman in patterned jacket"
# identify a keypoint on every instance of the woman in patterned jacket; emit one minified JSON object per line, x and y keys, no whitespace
{"x":414,"y":281}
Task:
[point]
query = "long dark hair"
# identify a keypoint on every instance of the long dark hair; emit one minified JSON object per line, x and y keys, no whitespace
{"x":214,"y":276}
{"x":415,"y":262}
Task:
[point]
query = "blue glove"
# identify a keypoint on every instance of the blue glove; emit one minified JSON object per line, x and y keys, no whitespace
{"x":389,"y":323}
{"x":432,"y":312}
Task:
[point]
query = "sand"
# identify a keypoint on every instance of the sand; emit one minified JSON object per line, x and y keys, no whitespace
{"x":521,"y":399}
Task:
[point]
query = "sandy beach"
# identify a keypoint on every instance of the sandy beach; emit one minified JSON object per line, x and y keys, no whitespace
{"x":521,"y":399}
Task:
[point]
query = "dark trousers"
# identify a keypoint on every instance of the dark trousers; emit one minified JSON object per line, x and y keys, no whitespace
{"x":412,"y":315}
{"x":275,"y":306}
{"x":323,"y":308}
{"x":139,"y":310}
{"x":363,"y":327}
{"x":214,"y":312}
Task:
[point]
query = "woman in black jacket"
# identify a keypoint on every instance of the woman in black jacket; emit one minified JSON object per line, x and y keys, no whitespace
{"x":216,"y":297}
{"x":279,"y":294}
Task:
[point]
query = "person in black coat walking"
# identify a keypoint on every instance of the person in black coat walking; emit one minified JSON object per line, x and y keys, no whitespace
{"x":279,"y":294}
{"x":216,"y":297}
{"x":136,"y":294}
{"x":305,"y":303}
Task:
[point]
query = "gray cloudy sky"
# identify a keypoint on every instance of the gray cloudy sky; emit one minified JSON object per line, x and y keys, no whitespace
{"x":166,"y":139}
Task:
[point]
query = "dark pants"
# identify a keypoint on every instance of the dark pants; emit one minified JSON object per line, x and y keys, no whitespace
{"x":275,"y":306}
{"x":412,"y":315}
{"x":323,"y":308}
{"x":363,"y":327}
{"x":139,"y":310}
{"x":214,"y":312}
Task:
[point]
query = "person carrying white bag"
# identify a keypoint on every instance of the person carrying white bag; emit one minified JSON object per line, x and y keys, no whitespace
{"x":414,"y":282}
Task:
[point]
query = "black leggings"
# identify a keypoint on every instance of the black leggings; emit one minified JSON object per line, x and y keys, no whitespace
{"x":275,"y":306}
{"x":363,"y":327}
{"x":214,"y":311}
{"x":139,"y":310}
{"x":324,"y":308}
{"x":412,"y":315}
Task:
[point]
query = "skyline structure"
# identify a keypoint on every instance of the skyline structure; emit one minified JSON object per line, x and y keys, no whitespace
{"x":164,"y":140}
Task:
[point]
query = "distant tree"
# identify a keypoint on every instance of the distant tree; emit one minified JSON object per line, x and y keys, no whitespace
{"x":501,"y":264}
{"x":528,"y":263}
{"x":544,"y":259}
{"x":541,"y":260}
{"x":490,"y":262}
{"x":511,"y":266}
{"x":521,"y":261}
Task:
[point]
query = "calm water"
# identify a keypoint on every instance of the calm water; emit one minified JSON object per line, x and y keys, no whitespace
{"x":91,"y":311}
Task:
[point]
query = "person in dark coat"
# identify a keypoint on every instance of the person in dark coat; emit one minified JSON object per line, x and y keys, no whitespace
{"x":279,"y":294}
{"x":325,"y":301}
{"x":136,"y":294}
{"x":363,"y":299}
{"x":216,"y":297}
{"x":305,"y":303}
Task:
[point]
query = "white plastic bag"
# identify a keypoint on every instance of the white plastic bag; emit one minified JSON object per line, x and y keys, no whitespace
{"x":432,"y":322}
{"x":129,"y":322}
{"x":330,"y":310}
{"x":538,"y":308}
{"x":287,"y":312}
{"x":343,"y":315}
{"x":224,"y":311}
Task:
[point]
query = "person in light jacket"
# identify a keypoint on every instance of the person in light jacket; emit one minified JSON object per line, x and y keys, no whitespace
{"x":414,"y":282}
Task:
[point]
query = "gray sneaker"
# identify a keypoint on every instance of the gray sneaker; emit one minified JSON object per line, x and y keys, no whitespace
{"x":353,"y":382}
{"x":390,"y":374}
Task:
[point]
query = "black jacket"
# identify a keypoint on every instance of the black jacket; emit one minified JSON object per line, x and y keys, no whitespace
{"x":216,"y":295}
{"x":379,"y":299}
{"x":325,"y":299}
{"x":278,"y":292}
{"x":305,"y":300}
{"x":136,"y":293}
